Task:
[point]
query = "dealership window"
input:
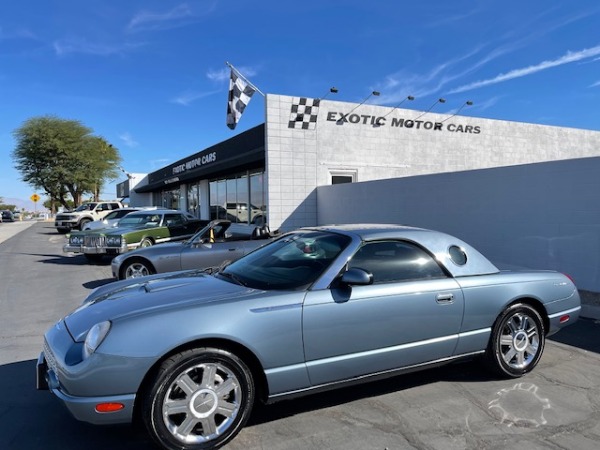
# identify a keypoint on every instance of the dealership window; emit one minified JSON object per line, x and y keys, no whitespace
{"x":193,"y":199}
{"x":239,"y":198}
{"x":342,"y":176}
{"x":170,"y":199}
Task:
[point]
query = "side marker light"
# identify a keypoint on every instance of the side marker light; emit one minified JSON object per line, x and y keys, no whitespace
{"x":109,"y":407}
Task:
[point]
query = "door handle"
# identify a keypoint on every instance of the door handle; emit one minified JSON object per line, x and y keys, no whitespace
{"x":445,"y":298}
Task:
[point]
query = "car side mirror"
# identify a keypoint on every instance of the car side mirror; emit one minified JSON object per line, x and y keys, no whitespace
{"x":357,"y":277}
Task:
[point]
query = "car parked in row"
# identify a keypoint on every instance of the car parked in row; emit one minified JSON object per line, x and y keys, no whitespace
{"x":7,"y":215}
{"x":191,"y":353}
{"x":113,"y":217}
{"x":88,"y":212}
{"x":137,"y":229}
{"x":220,"y":241}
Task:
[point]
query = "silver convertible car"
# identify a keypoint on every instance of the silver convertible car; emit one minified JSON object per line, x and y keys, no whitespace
{"x":218,"y":242}
{"x":189,"y":353}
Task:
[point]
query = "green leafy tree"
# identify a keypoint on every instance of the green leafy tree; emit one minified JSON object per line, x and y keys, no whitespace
{"x":63,"y":158}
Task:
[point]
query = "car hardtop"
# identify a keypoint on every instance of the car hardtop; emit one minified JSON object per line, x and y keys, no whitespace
{"x":438,"y":244}
{"x":222,"y":230}
{"x":160,"y":213}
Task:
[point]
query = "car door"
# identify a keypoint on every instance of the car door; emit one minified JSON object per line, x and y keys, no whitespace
{"x":410,"y":315}
{"x":201,"y":255}
{"x":176,"y":223}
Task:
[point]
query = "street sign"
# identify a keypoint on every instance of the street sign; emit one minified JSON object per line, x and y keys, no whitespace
{"x":35,"y":198}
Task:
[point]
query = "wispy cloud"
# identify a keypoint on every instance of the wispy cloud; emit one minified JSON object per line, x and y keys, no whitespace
{"x":66,"y":46}
{"x":128,"y":139}
{"x":569,"y":57}
{"x":399,"y":85}
{"x":223,"y":74}
{"x":179,"y":16}
{"x":596,"y":84}
{"x":188,"y":97}
{"x":21,"y":33}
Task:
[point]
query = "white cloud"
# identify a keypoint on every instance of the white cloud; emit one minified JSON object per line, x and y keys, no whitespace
{"x":223,"y":74}
{"x":128,"y":139}
{"x":188,"y":97}
{"x":569,"y":57}
{"x":596,"y":84}
{"x":179,"y":16}
{"x":67,"y":46}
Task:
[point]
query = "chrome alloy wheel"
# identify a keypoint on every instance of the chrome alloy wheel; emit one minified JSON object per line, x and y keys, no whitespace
{"x":201,"y":403}
{"x":137,"y":269}
{"x":519,"y":341}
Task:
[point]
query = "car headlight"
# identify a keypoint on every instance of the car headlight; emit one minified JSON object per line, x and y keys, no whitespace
{"x":113,"y":241}
{"x":76,"y":240}
{"x":95,"y":337}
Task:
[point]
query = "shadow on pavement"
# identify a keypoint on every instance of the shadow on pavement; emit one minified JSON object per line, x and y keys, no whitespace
{"x":37,"y":419}
{"x":582,"y":334}
{"x":34,"y":419}
{"x":97,"y":283}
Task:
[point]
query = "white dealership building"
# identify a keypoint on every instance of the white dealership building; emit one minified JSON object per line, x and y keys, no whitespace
{"x":513,"y":189}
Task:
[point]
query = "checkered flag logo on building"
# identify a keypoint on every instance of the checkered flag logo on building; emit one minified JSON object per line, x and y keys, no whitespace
{"x":240,"y":94}
{"x":304,"y":113}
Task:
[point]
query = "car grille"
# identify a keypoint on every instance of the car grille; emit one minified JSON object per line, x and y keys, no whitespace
{"x":49,"y":357}
{"x":62,"y":217}
{"x":95,"y":241}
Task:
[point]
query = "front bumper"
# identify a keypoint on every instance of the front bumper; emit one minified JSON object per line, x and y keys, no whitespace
{"x":65,"y":225}
{"x":84,"y":408}
{"x":84,"y":384}
{"x":69,"y":248}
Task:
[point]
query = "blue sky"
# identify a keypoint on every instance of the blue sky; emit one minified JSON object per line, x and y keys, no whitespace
{"x":150,"y":75}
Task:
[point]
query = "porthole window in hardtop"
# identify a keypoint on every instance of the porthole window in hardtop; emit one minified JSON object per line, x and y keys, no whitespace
{"x":457,"y":255}
{"x":393,"y":261}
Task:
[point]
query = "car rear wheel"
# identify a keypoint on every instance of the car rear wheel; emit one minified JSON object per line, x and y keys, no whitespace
{"x":136,"y":268}
{"x":517,"y":341}
{"x":146,"y":242}
{"x":200,"y":399}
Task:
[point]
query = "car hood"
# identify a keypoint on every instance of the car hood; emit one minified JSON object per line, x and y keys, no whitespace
{"x":150,"y":295}
{"x":117,"y":230}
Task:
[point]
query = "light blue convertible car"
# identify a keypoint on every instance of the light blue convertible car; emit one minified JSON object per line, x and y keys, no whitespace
{"x":189,"y":353}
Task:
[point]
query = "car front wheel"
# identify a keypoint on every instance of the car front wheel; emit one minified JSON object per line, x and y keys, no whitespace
{"x":200,"y":399}
{"x":517,"y":341}
{"x":136,"y":268}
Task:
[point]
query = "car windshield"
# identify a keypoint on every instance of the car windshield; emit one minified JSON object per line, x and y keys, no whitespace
{"x":86,"y":207}
{"x":149,"y":220}
{"x":205,"y":235}
{"x":293,"y":262}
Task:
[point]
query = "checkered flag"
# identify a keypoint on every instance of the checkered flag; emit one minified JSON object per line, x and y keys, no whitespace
{"x":304,"y":113}
{"x":240,"y":93}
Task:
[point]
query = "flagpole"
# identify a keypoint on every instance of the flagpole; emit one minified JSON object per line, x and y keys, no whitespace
{"x":245,"y":79}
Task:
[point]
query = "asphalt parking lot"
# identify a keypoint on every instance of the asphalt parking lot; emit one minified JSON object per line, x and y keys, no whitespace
{"x":454,"y":407}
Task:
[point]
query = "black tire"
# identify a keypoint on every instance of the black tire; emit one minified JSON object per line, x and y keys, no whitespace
{"x":517,"y":341}
{"x":83,"y":222}
{"x":136,"y":267}
{"x":146,"y":242}
{"x":199,"y":399}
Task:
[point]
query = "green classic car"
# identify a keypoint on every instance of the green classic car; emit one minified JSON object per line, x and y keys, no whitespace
{"x":138,"y":229}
